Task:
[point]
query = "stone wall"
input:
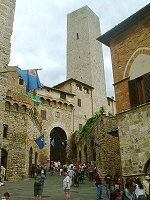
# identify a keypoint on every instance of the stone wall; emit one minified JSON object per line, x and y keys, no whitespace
{"x":7,"y":9}
{"x":134,"y":134}
{"x":22,"y":131}
{"x":104,"y":132}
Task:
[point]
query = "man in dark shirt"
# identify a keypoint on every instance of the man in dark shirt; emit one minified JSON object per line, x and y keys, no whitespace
{"x":108,"y":184}
{"x":98,"y":183}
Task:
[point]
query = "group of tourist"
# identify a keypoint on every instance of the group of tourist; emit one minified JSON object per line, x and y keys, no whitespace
{"x":133,"y":189}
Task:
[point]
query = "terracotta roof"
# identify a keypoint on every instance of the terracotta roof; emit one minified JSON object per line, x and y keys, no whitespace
{"x":124,"y":25}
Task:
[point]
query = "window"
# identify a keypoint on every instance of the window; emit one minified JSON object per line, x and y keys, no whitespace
{"x":139,"y":90}
{"x":43,"y":114}
{"x":63,"y":95}
{"x":79,"y":102}
{"x":5,"y":130}
{"x":78,"y":87}
{"x":80,"y":127}
{"x":21,"y":81}
{"x":77,"y":36}
{"x":57,"y":114}
{"x":85,"y":90}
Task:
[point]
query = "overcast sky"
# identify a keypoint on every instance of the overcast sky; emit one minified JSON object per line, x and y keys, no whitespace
{"x":40,"y":30}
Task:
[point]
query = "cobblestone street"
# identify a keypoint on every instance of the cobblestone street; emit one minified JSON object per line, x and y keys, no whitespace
{"x":23,"y":190}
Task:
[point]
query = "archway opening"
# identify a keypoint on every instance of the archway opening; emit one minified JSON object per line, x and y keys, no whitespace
{"x":58,"y":145}
{"x":147,"y":168}
{"x":85,"y":153}
{"x":4,"y":155}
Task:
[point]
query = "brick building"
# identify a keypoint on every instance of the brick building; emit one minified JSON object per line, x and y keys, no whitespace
{"x":129,"y":43}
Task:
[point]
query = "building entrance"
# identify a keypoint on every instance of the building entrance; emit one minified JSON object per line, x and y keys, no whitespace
{"x":58,"y":144}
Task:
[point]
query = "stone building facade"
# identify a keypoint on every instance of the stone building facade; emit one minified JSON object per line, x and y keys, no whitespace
{"x":130,"y":51}
{"x":106,"y":154}
{"x":84,"y":53}
{"x":63,"y":110}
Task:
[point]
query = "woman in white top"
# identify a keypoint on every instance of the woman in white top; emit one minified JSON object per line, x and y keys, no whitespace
{"x":67,"y":185}
{"x":140,"y":192}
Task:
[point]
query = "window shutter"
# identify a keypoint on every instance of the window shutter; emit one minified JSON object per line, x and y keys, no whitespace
{"x":146,"y":81}
{"x":134,"y":98}
{"x":43,"y":114}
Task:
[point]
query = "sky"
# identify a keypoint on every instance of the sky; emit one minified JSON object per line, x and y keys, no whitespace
{"x":40,"y":34}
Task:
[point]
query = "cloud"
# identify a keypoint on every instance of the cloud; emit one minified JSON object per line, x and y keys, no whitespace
{"x":39,"y":34}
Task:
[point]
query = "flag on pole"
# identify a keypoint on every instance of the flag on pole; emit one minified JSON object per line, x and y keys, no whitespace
{"x":40,"y":142}
{"x":31,"y":78}
{"x":52,"y":142}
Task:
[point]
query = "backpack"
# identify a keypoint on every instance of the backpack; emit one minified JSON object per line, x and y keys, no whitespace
{"x":38,"y":181}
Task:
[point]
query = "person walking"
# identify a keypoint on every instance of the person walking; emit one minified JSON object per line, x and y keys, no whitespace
{"x":129,"y":191}
{"x":67,"y":185}
{"x":38,"y":185}
{"x":108,"y":184}
{"x":140,"y":192}
{"x":98,"y":183}
{"x":146,"y":184}
{"x":5,"y":196}
{"x":3,"y":173}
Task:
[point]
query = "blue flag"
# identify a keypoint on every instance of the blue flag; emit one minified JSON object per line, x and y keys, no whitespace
{"x":40,"y":142}
{"x":53,"y":142}
{"x":63,"y":145}
{"x":31,"y":78}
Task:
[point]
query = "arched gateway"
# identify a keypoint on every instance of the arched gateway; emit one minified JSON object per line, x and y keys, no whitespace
{"x":58,"y":144}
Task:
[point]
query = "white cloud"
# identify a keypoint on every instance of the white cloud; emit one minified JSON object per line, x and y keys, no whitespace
{"x":39,"y":35}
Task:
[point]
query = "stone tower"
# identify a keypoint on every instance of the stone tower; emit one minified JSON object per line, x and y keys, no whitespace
{"x":84,"y":53}
{"x":7,"y":9}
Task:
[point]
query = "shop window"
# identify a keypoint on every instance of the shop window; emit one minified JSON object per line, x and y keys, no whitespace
{"x":139,"y":90}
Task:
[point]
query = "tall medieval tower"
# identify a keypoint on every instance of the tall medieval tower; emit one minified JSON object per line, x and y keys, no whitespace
{"x":84,"y":53}
{"x":7,"y":9}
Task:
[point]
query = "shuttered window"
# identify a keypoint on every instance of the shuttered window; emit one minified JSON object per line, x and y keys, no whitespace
{"x":139,"y":90}
{"x":43,"y":114}
{"x":146,"y":81}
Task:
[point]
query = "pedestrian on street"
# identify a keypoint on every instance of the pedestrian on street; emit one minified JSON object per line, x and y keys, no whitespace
{"x":98,"y":183}
{"x":108,"y":184}
{"x":115,"y":195}
{"x":39,"y":185}
{"x":129,"y":191}
{"x":5,"y":196}
{"x":67,"y":185}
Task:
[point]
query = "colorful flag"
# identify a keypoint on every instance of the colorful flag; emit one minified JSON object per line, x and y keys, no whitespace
{"x":40,"y":142}
{"x":31,"y":78}
{"x":63,"y":146}
{"x":52,"y":142}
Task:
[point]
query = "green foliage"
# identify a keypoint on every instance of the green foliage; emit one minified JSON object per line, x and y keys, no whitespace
{"x":90,"y":121}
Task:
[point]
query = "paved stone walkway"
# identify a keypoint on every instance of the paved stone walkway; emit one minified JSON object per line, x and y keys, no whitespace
{"x":23,"y":190}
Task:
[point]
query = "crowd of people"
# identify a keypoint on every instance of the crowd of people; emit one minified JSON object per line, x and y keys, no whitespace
{"x":75,"y":174}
